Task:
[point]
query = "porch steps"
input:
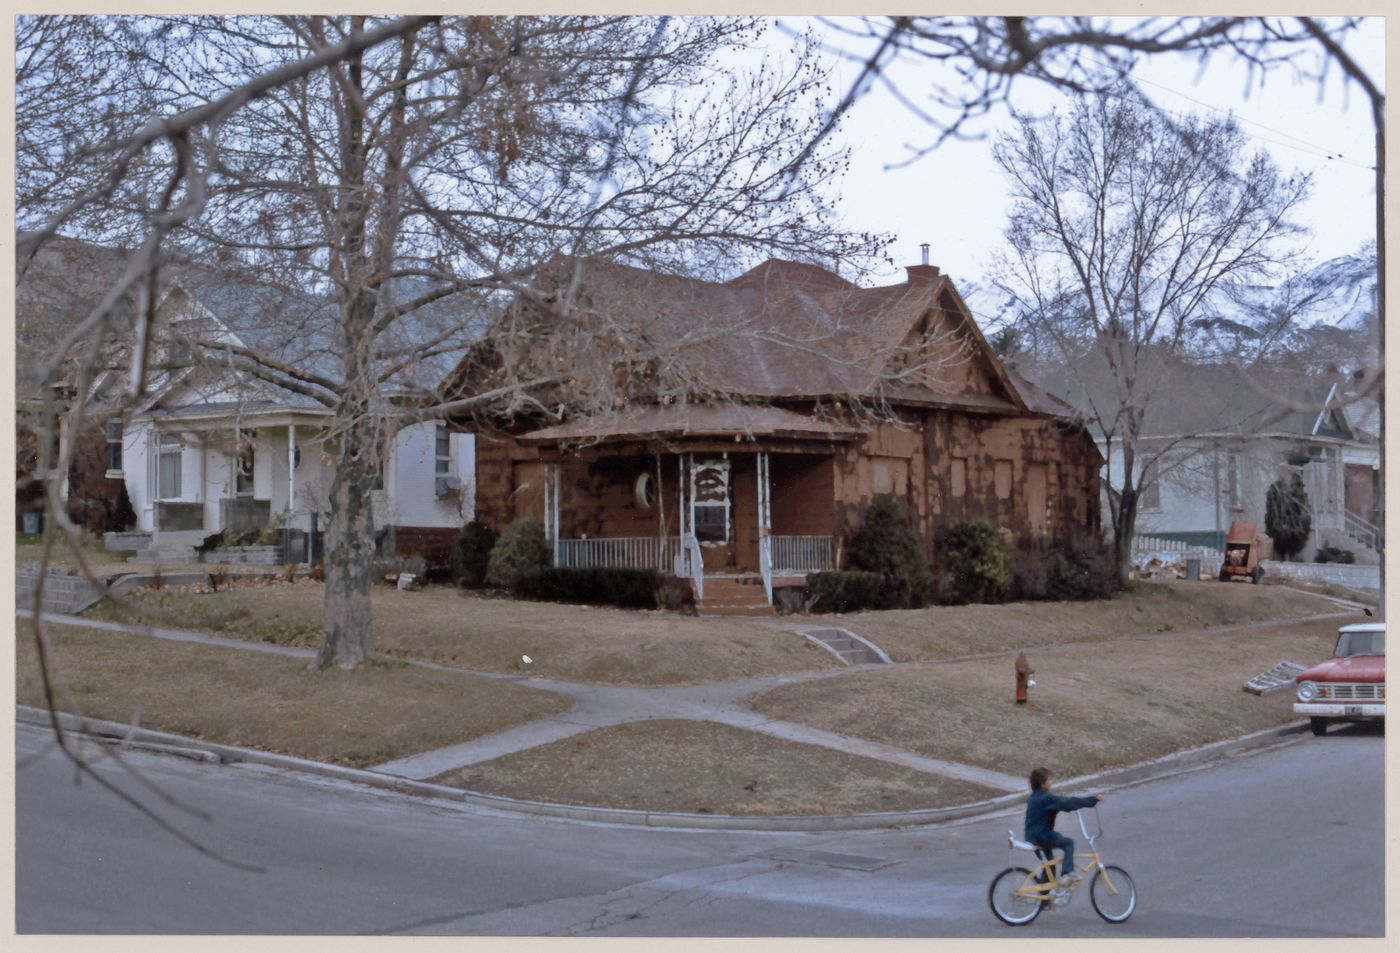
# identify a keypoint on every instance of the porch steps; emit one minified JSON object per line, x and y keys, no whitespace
{"x":846,"y":646}
{"x":739,"y":595}
{"x":171,"y":547}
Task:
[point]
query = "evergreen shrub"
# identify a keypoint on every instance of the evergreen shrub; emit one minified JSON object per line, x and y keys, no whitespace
{"x":887,"y":544}
{"x":519,"y":551}
{"x":975,"y":564}
{"x":472,"y":554}
{"x":604,"y":586}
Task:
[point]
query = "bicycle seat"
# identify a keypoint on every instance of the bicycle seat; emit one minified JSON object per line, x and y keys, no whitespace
{"x":1017,"y":843}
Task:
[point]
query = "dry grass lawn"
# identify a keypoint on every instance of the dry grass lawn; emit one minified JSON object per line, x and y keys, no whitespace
{"x":705,"y":767}
{"x":384,"y":710}
{"x":29,"y":549}
{"x":1093,"y":706}
{"x":951,"y":631}
{"x":574,"y":643}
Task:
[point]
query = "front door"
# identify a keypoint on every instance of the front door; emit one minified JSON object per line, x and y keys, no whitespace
{"x":711,"y":510}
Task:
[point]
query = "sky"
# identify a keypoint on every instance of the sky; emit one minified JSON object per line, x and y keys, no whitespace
{"x":955,"y":198}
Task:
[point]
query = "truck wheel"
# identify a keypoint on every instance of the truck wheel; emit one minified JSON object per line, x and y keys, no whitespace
{"x":1257,"y":574}
{"x":1224,"y":576}
{"x":1318,"y":726}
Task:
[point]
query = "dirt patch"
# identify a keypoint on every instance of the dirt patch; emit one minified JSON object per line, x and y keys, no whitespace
{"x":573,"y":643}
{"x":951,"y":631}
{"x":379,"y":712}
{"x":1093,"y":706}
{"x":704,"y":767}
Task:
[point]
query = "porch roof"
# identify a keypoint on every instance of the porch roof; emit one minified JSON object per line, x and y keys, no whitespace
{"x":694,"y":420}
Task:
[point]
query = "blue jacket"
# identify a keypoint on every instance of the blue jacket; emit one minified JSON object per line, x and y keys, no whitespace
{"x":1041,"y":811}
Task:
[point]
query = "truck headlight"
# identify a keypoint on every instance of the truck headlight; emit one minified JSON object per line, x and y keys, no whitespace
{"x":1307,"y":691}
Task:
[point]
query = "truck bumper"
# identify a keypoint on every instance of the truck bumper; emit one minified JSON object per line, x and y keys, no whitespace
{"x":1333,"y":710}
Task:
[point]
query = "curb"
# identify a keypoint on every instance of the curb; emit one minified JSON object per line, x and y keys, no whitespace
{"x":211,"y":752}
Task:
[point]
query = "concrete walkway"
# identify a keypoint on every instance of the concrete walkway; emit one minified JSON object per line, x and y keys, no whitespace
{"x":602,"y":706}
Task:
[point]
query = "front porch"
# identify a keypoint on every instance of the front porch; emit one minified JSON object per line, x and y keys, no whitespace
{"x":736,"y":524}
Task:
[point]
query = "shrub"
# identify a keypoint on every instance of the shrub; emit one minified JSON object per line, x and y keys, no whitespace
{"x":887,"y":544}
{"x":850,"y":591}
{"x":793,"y":600}
{"x":123,"y":516}
{"x":975,"y":564}
{"x":271,"y":534}
{"x":395,"y":565}
{"x":1081,"y":567}
{"x":1030,"y":573}
{"x":1334,"y":554}
{"x":519,"y":551}
{"x":628,"y":588}
{"x":472,"y":554}
{"x":674,"y":594}
{"x":1288,"y":516}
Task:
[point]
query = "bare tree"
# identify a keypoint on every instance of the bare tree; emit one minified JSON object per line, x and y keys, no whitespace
{"x":408,"y":173}
{"x":1124,"y":225}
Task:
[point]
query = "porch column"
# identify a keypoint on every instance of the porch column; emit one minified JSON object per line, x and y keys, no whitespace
{"x":765,"y":508}
{"x":551,"y":510}
{"x":291,"y":467}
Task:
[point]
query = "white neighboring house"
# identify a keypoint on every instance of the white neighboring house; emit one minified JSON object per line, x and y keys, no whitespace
{"x":1213,"y":461}
{"x":217,"y":450}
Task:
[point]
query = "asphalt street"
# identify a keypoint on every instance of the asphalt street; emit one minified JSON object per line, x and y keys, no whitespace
{"x":1286,"y":841}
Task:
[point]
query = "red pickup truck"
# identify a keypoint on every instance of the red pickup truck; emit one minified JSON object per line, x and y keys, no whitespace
{"x":1350,"y":686}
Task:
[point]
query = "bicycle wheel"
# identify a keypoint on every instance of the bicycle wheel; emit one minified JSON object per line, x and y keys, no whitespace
{"x":1113,"y":894}
{"x":1009,"y":906}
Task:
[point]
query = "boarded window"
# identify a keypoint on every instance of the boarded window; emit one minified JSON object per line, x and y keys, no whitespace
{"x":1037,"y":502}
{"x":1232,"y":481}
{"x":959,"y":480}
{"x":890,"y":475}
{"x":1003,"y":479}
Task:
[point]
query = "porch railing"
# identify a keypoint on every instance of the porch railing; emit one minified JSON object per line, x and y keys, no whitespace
{"x":1364,"y":530}
{"x":801,"y":553}
{"x":623,"y":552}
{"x":1147,"y":543}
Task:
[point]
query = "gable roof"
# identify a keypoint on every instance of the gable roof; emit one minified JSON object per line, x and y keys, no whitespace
{"x":789,"y":331}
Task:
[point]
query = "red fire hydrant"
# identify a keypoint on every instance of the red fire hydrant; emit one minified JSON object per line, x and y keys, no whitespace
{"x":1023,"y":677}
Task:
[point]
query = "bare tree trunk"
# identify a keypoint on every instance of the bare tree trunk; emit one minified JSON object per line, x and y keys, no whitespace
{"x":1124,"y":527}
{"x":349,"y":560}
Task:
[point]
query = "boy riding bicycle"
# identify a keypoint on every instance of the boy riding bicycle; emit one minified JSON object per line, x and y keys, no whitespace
{"x":1041,"y":809}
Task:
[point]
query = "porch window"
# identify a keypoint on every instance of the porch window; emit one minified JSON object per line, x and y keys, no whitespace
{"x":114,"y":448}
{"x":168,"y":467}
{"x":711,"y":503}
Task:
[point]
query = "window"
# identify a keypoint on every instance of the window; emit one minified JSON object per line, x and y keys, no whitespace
{"x":710,"y":505}
{"x":168,"y":467}
{"x":243,"y":470}
{"x":1232,"y":481}
{"x":443,"y":481}
{"x":114,"y":448}
{"x":959,"y":480}
{"x":1150,"y":488}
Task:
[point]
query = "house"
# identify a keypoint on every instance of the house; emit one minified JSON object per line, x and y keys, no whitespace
{"x":213,"y":449}
{"x":788,"y":399}
{"x":1217,"y":437}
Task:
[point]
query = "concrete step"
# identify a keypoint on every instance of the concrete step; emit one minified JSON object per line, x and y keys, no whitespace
{"x":750,"y":612}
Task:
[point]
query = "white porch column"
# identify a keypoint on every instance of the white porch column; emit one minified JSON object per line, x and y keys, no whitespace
{"x":291,"y":467}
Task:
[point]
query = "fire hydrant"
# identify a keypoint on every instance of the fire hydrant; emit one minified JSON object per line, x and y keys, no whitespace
{"x":1023,"y":677}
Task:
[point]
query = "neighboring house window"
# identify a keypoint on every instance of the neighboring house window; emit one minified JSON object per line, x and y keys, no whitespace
{"x":442,"y":461}
{"x":1232,"y":481}
{"x":959,"y":476}
{"x":168,"y":467}
{"x":1003,"y":479}
{"x":1150,"y":486}
{"x":114,"y":448}
{"x":48,"y":461}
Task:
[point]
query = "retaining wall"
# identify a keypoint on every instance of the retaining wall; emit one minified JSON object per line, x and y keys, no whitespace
{"x":62,"y":593}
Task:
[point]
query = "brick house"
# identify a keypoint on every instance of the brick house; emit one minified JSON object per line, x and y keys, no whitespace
{"x":804,"y":397}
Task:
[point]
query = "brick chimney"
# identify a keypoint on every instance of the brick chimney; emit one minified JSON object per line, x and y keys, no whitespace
{"x":924,"y":273}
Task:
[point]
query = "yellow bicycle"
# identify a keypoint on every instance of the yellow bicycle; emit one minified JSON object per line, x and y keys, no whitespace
{"x":1018,"y":895}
